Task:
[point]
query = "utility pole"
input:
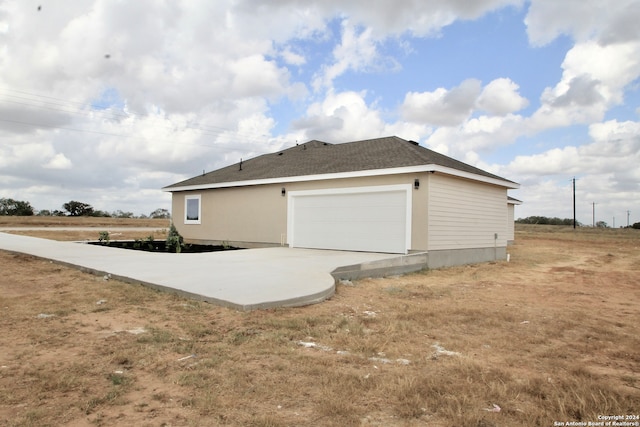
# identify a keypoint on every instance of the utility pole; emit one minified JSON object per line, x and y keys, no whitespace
{"x":628,"y":218}
{"x":574,"y":203}
{"x":594,"y":215}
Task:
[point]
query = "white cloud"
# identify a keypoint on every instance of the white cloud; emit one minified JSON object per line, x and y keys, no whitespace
{"x":399,"y":17}
{"x":614,"y":151}
{"x":177,"y":56}
{"x":546,"y":197}
{"x":59,"y":161}
{"x":501,"y":97}
{"x":605,"y":21}
{"x":271,"y":82}
{"x":25,"y":155}
{"x":606,"y":171}
{"x":614,"y":65}
{"x":292,"y":58}
{"x":419,"y":18}
{"x":581,"y":19}
{"x":199,"y":84}
{"x":623,"y":24}
{"x":451,"y":108}
{"x":461,"y":134}
{"x":482,"y":134}
{"x":554,"y":198}
{"x":442,"y":107}
{"x":615,"y":131}
{"x":595,"y":77}
{"x":346,"y":116}
{"x":593,"y":80}
{"x":357,"y":51}
{"x":556,"y":161}
{"x":335,"y":118}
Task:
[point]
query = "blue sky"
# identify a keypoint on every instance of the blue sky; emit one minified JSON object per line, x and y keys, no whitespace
{"x":107,"y":102}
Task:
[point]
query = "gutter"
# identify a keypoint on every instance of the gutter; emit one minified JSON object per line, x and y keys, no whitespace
{"x":355,"y":174}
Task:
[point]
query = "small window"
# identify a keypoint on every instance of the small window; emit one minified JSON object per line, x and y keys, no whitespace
{"x":192,"y":209}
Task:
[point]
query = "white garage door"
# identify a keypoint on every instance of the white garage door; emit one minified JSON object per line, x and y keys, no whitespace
{"x":363,"y":219}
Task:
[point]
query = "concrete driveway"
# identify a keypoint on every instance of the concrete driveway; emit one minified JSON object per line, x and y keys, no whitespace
{"x":245,"y":279}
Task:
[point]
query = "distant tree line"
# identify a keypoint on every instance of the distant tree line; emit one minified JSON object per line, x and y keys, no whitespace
{"x":546,"y":220}
{"x":71,"y":208}
{"x":566,"y":221}
{"x":15,"y":207}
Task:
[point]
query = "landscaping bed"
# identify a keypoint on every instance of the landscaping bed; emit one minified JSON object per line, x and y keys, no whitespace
{"x":161,"y":246}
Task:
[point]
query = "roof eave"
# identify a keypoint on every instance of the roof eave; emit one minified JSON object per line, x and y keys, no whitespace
{"x":354,"y":174}
{"x":513,"y":201}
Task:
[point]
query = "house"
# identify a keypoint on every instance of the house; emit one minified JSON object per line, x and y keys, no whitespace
{"x":379,"y":195}
{"x":511,"y":218}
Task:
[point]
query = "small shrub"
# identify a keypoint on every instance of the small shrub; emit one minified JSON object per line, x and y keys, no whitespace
{"x":175,"y":242}
{"x":117,"y":379}
{"x":144,"y":244}
{"x":104,"y":237}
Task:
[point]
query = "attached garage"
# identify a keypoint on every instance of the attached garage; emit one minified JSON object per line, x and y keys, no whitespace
{"x":371,"y":219}
{"x":383,"y":195}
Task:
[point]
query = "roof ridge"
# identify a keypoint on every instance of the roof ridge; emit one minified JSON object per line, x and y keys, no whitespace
{"x":313,"y":142}
{"x":317,"y":157}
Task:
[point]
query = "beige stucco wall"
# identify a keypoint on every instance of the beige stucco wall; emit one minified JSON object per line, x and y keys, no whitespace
{"x":448,"y":213}
{"x":258,"y":214}
{"x":241,"y":214}
{"x":465,"y":214}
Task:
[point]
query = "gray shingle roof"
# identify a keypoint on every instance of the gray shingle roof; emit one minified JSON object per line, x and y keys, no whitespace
{"x":317,"y":157}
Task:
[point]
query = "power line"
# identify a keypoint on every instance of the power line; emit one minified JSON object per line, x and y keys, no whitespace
{"x":79,"y":112}
{"x":38,"y":125}
{"x":78,"y":108}
{"x":42,"y":96}
{"x":238,"y":141}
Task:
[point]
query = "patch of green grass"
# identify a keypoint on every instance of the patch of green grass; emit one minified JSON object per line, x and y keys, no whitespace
{"x":197,"y":330}
{"x":119,"y":379}
{"x":155,"y":336}
{"x":162,"y":397}
{"x":114,"y":397}
{"x":265,"y":421}
{"x":31,"y":418}
{"x":242,"y":336}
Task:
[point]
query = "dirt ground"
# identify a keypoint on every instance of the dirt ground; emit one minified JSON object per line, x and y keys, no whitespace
{"x":551,"y":337}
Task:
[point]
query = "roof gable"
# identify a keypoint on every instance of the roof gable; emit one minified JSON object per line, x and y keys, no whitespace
{"x":319,"y":158}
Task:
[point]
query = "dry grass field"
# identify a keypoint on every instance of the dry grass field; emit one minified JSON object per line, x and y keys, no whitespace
{"x":81,"y":221}
{"x":62,"y":228}
{"x":551,"y":337}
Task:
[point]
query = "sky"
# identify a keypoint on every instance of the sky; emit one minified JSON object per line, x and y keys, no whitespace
{"x":106,"y":102}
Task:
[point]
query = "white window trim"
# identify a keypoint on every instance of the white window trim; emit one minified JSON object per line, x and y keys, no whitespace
{"x":197,"y":197}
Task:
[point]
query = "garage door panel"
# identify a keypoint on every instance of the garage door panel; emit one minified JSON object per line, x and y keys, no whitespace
{"x":350,"y":214}
{"x":370,"y":221}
